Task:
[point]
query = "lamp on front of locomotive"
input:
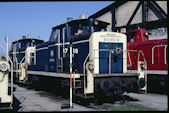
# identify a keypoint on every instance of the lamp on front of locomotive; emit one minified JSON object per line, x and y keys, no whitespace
{"x":3,"y":67}
{"x":90,"y":66}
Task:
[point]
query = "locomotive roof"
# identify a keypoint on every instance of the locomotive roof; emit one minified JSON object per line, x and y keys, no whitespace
{"x":80,"y":21}
{"x":26,"y":39}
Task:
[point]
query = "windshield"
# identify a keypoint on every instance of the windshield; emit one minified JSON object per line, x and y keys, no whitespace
{"x":53,"y":36}
{"x":130,"y":36}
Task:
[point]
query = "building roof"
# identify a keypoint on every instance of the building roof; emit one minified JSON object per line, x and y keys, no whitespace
{"x":27,"y":39}
{"x":79,"y":21}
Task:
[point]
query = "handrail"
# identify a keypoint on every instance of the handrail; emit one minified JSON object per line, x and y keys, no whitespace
{"x":11,"y":69}
{"x":129,"y":60}
{"x":85,"y":63}
{"x":84,"y":69}
{"x":139,"y":52}
{"x":21,"y":61}
{"x":11,"y":80}
{"x":63,"y":34}
{"x":165,"y":59}
{"x":17,"y":74}
{"x":3,"y":49}
{"x":34,"y":57}
{"x":16,"y":63}
{"x":59,"y":44}
{"x":110,"y":62}
{"x":110,"y":51}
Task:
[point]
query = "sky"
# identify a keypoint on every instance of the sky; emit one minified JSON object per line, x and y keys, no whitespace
{"x":36,"y":19}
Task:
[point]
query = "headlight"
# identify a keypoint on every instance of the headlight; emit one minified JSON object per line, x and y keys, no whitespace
{"x":90,"y":66}
{"x":118,"y":50}
{"x":3,"y":67}
{"x":142,"y":66}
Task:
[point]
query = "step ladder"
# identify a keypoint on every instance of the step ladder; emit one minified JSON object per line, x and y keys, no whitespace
{"x":77,"y":84}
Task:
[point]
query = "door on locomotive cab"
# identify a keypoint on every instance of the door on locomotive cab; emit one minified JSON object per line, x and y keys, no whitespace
{"x":116,"y":57}
{"x":52,"y":59}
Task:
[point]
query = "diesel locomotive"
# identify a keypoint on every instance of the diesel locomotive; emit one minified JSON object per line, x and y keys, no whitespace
{"x":97,"y":60}
{"x":156,"y":55}
{"x":18,"y":53}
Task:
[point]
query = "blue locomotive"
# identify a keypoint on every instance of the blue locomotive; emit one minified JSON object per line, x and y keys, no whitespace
{"x":99,"y":60}
{"x":19,"y":55}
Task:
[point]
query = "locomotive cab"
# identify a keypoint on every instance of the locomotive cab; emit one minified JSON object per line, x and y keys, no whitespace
{"x":70,"y":32}
{"x":137,"y":35}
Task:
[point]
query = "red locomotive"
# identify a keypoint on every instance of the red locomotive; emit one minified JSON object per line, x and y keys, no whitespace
{"x":156,"y":55}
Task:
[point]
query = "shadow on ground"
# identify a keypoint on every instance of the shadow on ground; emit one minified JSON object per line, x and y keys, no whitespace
{"x":128,"y":98}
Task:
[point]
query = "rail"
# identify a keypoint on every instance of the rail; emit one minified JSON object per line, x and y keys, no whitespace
{"x":21,"y":61}
{"x":165,"y":51}
{"x":59,"y":44}
{"x":84,"y":69}
{"x":16,"y":63}
{"x":17,"y":66}
{"x":130,"y":65}
{"x":59,"y":55}
{"x":34,"y":57}
{"x":140,"y":51}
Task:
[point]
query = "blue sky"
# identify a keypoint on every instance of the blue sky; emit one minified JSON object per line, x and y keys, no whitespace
{"x":37,"y":18}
